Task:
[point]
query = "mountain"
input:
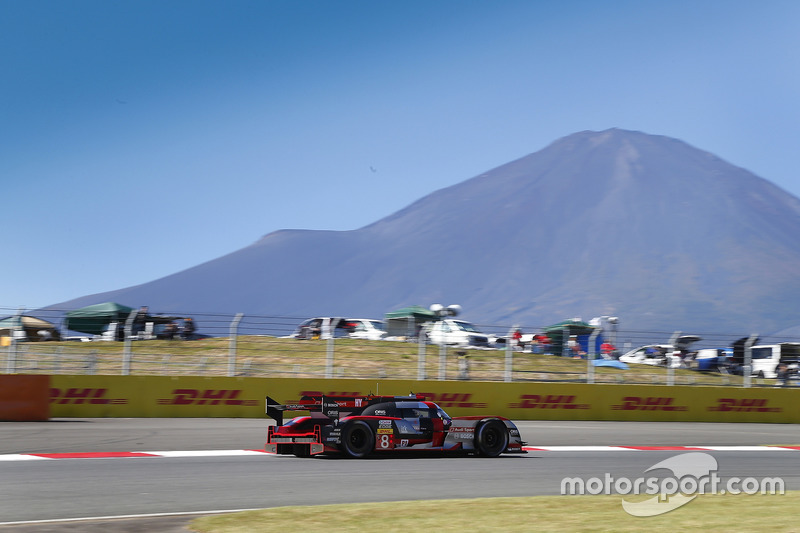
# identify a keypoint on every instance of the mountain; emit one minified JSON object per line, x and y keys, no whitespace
{"x":617,"y":222}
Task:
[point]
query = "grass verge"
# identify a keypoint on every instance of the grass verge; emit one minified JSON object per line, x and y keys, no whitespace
{"x":556,"y":514}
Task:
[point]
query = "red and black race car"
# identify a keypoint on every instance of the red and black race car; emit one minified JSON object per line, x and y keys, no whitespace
{"x":357,"y":426}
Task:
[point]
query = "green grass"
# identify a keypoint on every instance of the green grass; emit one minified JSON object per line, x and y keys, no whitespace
{"x":276,"y":357}
{"x":557,"y":514}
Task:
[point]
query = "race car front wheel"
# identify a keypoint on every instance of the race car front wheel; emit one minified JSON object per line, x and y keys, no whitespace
{"x":357,"y":439}
{"x":491,"y":438}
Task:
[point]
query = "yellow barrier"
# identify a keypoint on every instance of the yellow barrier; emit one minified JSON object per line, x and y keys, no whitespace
{"x":167,"y":397}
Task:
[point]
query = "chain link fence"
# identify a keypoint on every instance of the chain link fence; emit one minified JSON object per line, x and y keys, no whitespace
{"x":263,"y":346}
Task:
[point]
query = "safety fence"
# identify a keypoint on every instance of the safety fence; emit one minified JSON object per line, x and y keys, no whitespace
{"x":263,"y":346}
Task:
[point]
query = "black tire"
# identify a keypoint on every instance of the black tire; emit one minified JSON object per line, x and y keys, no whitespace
{"x":358,"y":440}
{"x":491,"y":438}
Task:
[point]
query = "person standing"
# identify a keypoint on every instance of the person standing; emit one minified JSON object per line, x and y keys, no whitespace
{"x":189,"y":327}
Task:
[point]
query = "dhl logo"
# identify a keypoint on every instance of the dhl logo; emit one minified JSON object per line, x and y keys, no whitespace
{"x":79,"y":396}
{"x":548,"y":401}
{"x":744,"y":405}
{"x":648,"y":403}
{"x":206,"y":397}
{"x":456,"y":399}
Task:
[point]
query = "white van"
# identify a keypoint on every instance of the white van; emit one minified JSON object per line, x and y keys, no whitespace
{"x":767,"y":357}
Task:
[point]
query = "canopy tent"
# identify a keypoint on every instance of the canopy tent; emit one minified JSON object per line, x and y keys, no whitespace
{"x":94,"y":319}
{"x":406,"y":322}
{"x":24,"y":327}
{"x":569,"y":328}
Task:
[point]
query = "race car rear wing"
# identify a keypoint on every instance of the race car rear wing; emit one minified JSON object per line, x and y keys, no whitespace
{"x":327,"y":408}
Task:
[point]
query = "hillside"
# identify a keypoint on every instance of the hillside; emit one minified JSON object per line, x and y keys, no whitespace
{"x":644,"y":227}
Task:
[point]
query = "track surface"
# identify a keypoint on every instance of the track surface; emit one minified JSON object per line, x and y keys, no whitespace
{"x":77,"y":488}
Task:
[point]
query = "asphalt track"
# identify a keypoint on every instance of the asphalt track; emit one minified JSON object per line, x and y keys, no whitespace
{"x":34,"y":490}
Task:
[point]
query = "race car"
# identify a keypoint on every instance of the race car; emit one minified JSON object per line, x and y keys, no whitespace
{"x":357,"y":426}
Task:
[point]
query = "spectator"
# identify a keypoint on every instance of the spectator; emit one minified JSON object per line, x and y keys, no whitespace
{"x":607,"y":350}
{"x":544,"y":343}
{"x":189,"y":327}
{"x":170,"y":330}
{"x":517,"y":339}
{"x":575,"y":347}
{"x":139,"y":320}
{"x":783,"y":374}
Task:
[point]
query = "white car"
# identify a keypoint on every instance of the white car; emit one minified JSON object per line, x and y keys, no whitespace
{"x":337,"y":327}
{"x":660,"y":354}
{"x":365,"y":328}
{"x":652,"y":354}
{"x":456,"y":332}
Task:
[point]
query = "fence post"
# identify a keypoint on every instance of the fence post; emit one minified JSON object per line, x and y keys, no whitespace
{"x":668,"y":358}
{"x":91,"y":363}
{"x":590,"y":358}
{"x":747,"y":369}
{"x":57,"y":358}
{"x":442,"y":361}
{"x":509,"y":366}
{"x":11,"y":363}
{"x":234,"y":330}
{"x":421,"y":374}
{"x":126,"y":349}
{"x":329,"y":358}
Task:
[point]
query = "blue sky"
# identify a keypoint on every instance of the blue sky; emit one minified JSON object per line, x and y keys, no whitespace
{"x":142,"y":138}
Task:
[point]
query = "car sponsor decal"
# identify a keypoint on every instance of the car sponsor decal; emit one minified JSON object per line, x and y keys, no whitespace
{"x":384,"y":442}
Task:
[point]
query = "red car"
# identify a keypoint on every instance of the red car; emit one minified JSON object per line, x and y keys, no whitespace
{"x":357,"y":426}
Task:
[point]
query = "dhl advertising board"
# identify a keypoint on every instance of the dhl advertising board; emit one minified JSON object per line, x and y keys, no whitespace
{"x":164,"y":396}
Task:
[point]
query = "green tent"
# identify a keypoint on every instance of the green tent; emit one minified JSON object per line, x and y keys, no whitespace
{"x":95,"y":319}
{"x":406,"y":321}
{"x":571,"y":327}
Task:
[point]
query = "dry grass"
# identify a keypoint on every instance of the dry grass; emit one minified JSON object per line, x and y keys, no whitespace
{"x":271,"y":356}
{"x":556,"y":514}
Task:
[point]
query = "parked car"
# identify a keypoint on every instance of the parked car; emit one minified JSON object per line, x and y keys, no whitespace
{"x":651,"y":354}
{"x":337,"y":327}
{"x":660,"y":354}
{"x":365,"y":328}
{"x":455,"y":332}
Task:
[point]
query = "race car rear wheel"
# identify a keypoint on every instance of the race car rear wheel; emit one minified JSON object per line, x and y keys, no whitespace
{"x":491,"y":438}
{"x":357,"y":439}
